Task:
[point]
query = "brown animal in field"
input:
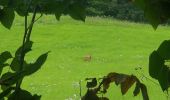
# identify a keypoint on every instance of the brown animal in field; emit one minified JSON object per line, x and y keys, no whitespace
{"x":87,"y":58}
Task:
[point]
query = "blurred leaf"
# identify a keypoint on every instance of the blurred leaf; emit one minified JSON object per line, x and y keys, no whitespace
{"x":4,"y":65}
{"x":157,"y":67}
{"x":77,"y":10}
{"x":127,"y":84}
{"x":155,"y":64}
{"x":22,"y":6}
{"x":4,"y":2}
{"x":144,"y":92}
{"x":9,"y":78}
{"x":164,"y":50}
{"x":23,"y":95}
{"x":31,"y":68}
{"x":152,"y":13}
{"x":103,"y":98}
{"x":120,"y":78}
{"x":5,"y":56}
{"x":126,"y":81}
{"x":111,"y":77}
{"x":53,"y":7}
{"x":140,"y":3}
{"x":92,"y":83}
{"x":90,"y":95}
{"x":5,"y":93}
{"x":7,"y":16}
{"x":137,"y":89}
{"x":106,"y":84}
{"x":156,"y":11}
{"x":163,"y":78}
{"x":15,"y":64}
{"x":27,"y":48}
{"x":36,"y":97}
{"x":57,"y":16}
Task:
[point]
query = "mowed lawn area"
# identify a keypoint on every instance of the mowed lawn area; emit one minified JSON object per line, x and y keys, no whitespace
{"x":115,"y":46}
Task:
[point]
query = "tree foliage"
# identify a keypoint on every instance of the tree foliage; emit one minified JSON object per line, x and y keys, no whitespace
{"x":157,"y":12}
{"x":95,"y":88}
{"x":159,"y":65}
{"x":120,"y":9}
{"x":11,"y":80}
{"x":75,"y":8}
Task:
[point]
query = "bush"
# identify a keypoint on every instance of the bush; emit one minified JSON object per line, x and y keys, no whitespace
{"x":120,"y":9}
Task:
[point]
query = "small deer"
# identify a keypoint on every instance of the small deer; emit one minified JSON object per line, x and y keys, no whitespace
{"x":87,"y":58}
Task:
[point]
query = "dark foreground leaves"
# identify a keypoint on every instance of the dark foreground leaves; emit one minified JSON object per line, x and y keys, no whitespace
{"x":125,"y":82}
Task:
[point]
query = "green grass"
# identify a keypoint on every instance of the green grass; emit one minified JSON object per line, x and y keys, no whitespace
{"x":115,"y":46}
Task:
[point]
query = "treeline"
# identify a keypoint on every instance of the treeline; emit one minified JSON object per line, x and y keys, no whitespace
{"x":120,"y":9}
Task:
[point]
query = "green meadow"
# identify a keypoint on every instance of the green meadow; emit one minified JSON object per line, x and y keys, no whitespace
{"x":115,"y":46}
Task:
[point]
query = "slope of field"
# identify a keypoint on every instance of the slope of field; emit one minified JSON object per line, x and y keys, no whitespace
{"x":115,"y":46}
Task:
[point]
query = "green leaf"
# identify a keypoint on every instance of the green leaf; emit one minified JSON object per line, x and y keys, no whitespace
{"x":23,"y":95}
{"x":157,"y":67}
{"x":144,"y":92}
{"x":92,"y":83}
{"x":9,"y":78}
{"x":21,"y":9}
{"x":5,"y":56}
{"x":4,"y":2}
{"x":7,"y":16}
{"x":152,"y":10}
{"x":36,"y":97}
{"x":164,"y":50}
{"x":4,"y":65}
{"x":6,"y":92}
{"x":140,"y":3}
{"x":53,"y":6}
{"x":15,"y":64}
{"x":57,"y":16}
{"x":155,"y":64}
{"x":32,"y":68}
{"x":77,"y":10}
{"x":163,"y":78}
{"x":103,"y":98}
{"x":152,"y":16}
{"x":60,"y":9}
{"x":137,"y":89}
{"x":20,"y":6}
{"x":90,"y":95}
{"x":27,"y":48}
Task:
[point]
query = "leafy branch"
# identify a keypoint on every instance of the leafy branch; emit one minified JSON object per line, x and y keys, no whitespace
{"x":11,"y":80}
{"x":125,"y":82}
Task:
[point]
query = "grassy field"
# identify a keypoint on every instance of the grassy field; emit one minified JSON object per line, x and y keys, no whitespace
{"x":115,"y":46}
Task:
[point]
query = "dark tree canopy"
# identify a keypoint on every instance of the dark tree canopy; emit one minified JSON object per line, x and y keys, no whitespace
{"x":75,"y":8}
{"x":156,"y":11}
